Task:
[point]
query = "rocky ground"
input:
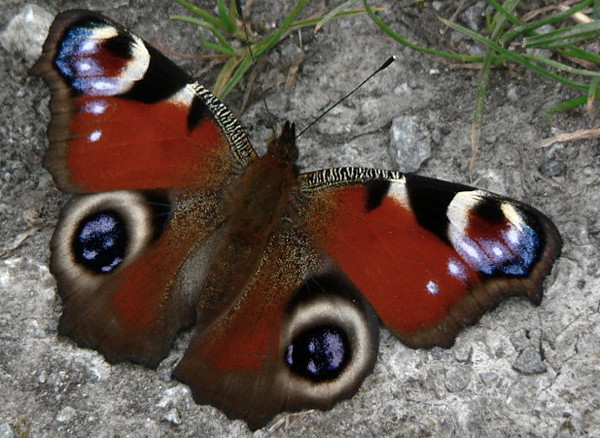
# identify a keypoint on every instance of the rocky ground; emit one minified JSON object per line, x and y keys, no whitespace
{"x":521,"y":371}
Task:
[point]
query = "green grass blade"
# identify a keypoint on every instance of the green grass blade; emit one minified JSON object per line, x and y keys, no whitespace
{"x":199,"y":11}
{"x":531,"y":27}
{"x":225,"y":74}
{"x":233,"y":11}
{"x":224,"y":47}
{"x":191,"y":20}
{"x":506,"y":11}
{"x":315,"y":21}
{"x":227,"y":50}
{"x":563,"y":67}
{"x":498,"y":23}
{"x":270,"y":41}
{"x":478,"y":110}
{"x":237,"y":75}
{"x":226,"y":21}
{"x":388,"y":30}
{"x":521,"y":59}
{"x":563,"y":37}
{"x":504,"y":14}
{"x":333,"y":13}
{"x":565,"y":106}
{"x":576,"y":52}
{"x":219,"y":36}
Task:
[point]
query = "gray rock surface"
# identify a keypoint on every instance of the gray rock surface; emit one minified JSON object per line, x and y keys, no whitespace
{"x":410,"y":143}
{"x":520,"y":371}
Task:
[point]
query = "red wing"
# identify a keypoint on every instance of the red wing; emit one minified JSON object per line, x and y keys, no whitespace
{"x":429,"y":256}
{"x":126,"y":117}
{"x":299,"y":336}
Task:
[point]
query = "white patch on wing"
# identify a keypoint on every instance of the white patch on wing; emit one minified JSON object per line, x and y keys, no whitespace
{"x":95,"y":136}
{"x":184,"y":96}
{"x":469,"y":249}
{"x":88,"y":46}
{"x":513,"y":216}
{"x":432,"y":287}
{"x":461,"y":205}
{"x":108,"y":87}
{"x":83,"y":66}
{"x":97,"y":106}
{"x":458,"y":213}
{"x":135,"y":69}
{"x":398,"y":192}
{"x":457,"y":269}
{"x":103,"y":33}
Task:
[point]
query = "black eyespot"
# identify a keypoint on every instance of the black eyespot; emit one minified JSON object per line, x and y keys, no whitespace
{"x":320,"y":353}
{"x":100,"y":241}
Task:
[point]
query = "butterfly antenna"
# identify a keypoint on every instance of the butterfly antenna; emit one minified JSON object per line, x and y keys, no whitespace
{"x":385,"y":65}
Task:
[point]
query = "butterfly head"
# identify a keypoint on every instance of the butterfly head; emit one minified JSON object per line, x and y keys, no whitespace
{"x":284,"y":147}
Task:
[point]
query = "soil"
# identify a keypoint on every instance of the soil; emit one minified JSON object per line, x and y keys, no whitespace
{"x":520,"y":371}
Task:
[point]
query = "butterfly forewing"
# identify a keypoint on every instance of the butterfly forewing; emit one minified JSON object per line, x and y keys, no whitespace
{"x":116,"y":99}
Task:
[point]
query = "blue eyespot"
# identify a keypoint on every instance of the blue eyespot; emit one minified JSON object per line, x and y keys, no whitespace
{"x":77,"y":43}
{"x":100,"y":241}
{"x":81,"y":56}
{"x":512,"y":253}
{"x":526,"y":244}
{"x":319,"y":354}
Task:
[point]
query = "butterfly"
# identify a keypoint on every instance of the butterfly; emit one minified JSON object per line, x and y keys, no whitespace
{"x":175,"y":222}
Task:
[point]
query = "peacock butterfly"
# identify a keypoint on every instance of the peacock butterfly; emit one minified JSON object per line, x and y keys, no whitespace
{"x":176,"y":222}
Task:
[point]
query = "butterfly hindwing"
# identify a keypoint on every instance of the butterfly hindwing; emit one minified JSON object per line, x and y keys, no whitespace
{"x":121,"y":261}
{"x":429,"y":256}
{"x":299,"y":336}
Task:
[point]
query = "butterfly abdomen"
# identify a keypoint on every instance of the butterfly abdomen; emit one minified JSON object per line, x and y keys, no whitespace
{"x":256,"y":211}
